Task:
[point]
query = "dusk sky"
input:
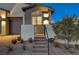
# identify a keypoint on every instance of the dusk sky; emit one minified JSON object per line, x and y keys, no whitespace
{"x":62,"y":9}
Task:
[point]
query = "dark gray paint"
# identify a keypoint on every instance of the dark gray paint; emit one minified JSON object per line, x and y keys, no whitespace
{"x":15,"y":25}
{"x":28,"y":18}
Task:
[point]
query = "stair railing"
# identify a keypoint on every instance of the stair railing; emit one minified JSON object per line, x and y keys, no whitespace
{"x":46,"y":34}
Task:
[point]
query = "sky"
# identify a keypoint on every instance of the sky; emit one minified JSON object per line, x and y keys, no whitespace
{"x":63,"y":9}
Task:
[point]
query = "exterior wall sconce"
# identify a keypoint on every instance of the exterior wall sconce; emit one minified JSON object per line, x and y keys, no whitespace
{"x":45,"y":22}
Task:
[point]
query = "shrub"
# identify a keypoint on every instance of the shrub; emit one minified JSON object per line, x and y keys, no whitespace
{"x":24,"y":47}
{"x":10,"y":49}
{"x":14,"y":41}
{"x":19,"y":39}
{"x":30,"y":40}
{"x":22,"y":41}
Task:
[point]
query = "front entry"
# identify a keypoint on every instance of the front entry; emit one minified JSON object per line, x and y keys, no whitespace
{"x":39,"y":30}
{"x":38,"y":26}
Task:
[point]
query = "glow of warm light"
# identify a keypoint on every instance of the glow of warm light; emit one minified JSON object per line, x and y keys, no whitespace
{"x":3,"y":27}
{"x":46,"y":14}
{"x":46,"y":22}
{"x":3,"y":23}
{"x":3,"y":16}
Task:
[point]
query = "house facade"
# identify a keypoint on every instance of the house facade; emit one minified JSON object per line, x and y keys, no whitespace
{"x":26,"y":20}
{"x":36,"y":22}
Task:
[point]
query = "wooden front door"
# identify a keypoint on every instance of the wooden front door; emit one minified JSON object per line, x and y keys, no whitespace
{"x":39,"y":30}
{"x":38,"y":25}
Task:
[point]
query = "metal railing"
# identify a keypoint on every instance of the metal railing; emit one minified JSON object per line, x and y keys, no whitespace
{"x":46,"y":33}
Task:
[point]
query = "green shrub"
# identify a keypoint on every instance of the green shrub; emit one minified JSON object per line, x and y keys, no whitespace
{"x":24,"y":47}
{"x":10,"y":48}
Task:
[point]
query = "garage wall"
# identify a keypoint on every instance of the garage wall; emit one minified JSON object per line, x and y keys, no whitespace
{"x":15,"y":25}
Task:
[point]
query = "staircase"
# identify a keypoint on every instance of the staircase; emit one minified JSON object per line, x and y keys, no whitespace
{"x":40,"y":46}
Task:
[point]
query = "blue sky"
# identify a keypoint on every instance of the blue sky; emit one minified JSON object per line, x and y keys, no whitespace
{"x":62,"y":9}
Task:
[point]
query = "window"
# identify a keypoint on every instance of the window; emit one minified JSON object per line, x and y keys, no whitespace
{"x":3,"y":26}
{"x":33,"y":20}
{"x":37,"y":20}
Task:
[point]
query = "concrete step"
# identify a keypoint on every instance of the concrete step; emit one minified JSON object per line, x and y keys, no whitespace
{"x":45,"y":53}
{"x":40,"y":46}
{"x":39,"y":37}
{"x":41,"y":43}
{"x":43,"y":40}
{"x":40,"y":51}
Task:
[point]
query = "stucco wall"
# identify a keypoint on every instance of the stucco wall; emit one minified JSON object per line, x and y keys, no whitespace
{"x":27,"y":31}
{"x":15,"y":25}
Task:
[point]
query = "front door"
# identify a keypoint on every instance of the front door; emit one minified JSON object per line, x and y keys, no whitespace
{"x":38,"y":26}
{"x":39,"y":30}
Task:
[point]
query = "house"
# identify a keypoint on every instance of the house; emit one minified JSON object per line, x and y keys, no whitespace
{"x":27,"y":20}
{"x":37,"y":22}
{"x":11,"y":17}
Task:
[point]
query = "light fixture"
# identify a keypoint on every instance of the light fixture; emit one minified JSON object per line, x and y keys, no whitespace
{"x":3,"y":13}
{"x":46,"y":14}
{"x":3,"y":16}
{"x":45,"y":22}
